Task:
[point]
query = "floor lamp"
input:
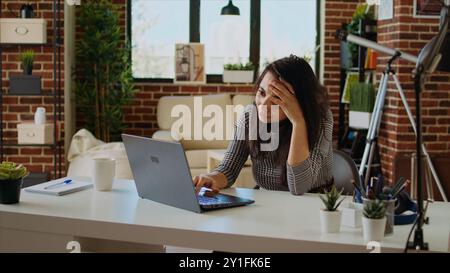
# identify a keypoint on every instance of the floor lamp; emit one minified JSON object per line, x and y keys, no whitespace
{"x":434,"y":55}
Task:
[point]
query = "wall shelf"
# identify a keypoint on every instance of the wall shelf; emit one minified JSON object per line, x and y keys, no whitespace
{"x":55,"y":92}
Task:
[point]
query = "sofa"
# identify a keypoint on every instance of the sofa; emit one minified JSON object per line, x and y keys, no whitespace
{"x":84,"y":146}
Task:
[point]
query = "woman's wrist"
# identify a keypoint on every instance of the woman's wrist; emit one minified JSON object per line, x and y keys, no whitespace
{"x":299,"y":124}
{"x":219,"y":178}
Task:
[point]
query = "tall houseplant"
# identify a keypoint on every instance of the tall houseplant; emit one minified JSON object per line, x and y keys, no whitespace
{"x":103,"y":76}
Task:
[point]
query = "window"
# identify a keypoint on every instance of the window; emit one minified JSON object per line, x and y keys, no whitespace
{"x":287,"y":27}
{"x":155,"y":26}
{"x":226,"y":37}
{"x":153,"y":49}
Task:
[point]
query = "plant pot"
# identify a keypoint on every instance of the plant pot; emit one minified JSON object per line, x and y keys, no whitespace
{"x":25,"y":84}
{"x":238,"y":76}
{"x":373,"y":229}
{"x":28,"y":71}
{"x":330,"y":221}
{"x":10,"y":191}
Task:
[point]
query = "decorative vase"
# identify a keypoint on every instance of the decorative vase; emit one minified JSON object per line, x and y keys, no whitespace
{"x":39,"y":116}
{"x":330,"y":221}
{"x":10,"y":191}
{"x":373,"y":229}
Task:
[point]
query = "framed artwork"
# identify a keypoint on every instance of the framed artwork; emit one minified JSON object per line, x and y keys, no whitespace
{"x":427,"y":8}
{"x":190,"y":63}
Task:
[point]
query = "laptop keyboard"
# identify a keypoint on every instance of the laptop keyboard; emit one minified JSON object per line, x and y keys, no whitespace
{"x":205,"y":200}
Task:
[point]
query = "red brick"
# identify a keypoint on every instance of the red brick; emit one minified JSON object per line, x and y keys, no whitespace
{"x":170,"y":88}
{"x":30,"y":151}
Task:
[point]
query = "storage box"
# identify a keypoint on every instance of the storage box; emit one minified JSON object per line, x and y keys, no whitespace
{"x":23,"y":31}
{"x":359,"y":120}
{"x":30,"y":133}
{"x":238,"y":76}
{"x":25,"y":84}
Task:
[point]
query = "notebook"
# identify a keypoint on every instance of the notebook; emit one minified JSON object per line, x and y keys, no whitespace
{"x":58,"y":187}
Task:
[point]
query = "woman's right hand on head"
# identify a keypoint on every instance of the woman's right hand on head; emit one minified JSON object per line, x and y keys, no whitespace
{"x":207,"y":182}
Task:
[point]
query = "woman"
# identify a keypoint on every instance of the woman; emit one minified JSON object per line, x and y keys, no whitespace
{"x":302,"y":162}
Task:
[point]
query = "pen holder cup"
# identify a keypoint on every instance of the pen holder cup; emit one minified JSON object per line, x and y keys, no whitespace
{"x":390,"y":214}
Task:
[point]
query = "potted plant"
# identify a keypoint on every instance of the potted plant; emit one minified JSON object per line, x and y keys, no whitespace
{"x":362,"y":101}
{"x":26,"y":83}
{"x":103,"y":77}
{"x":11,"y":177}
{"x":330,"y":217}
{"x":27,"y":60}
{"x":374,"y":220}
{"x":238,"y":73}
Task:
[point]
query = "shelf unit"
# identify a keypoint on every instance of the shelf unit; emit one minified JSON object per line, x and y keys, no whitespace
{"x":356,"y":149}
{"x":55,"y":93}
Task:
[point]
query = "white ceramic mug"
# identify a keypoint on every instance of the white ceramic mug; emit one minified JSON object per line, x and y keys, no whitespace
{"x":39,"y":116}
{"x":104,"y":170}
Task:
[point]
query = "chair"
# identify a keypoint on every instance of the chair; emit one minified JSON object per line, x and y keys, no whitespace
{"x":344,"y":170}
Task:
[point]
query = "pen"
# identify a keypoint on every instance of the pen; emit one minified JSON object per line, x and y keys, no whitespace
{"x":400,"y":189}
{"x":65,"y":182}
{"x":356,"y":186}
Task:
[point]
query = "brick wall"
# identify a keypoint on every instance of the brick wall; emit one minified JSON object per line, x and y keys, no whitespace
{"x":18,"y":109}
{"x":410,"y":34}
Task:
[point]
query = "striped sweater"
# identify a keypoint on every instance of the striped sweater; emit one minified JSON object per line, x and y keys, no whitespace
{"x":312,"y":173}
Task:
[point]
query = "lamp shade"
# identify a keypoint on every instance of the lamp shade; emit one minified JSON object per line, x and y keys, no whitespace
{"x":230,"y":9}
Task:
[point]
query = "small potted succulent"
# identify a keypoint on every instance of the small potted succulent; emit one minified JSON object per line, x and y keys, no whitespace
{"x":11,"y":177}
{"x":330,"y":216}
{"x":238,"y":73}
{"x":374,"y":220}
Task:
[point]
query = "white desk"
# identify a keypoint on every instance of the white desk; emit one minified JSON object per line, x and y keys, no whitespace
{"x":276,"y":222}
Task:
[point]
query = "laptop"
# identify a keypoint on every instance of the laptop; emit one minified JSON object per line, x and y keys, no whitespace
{"x":162,"y":174}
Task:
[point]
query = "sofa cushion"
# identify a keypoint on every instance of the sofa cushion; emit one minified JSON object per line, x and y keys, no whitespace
{"x":186,"y":103}
{"x":196,"y":158}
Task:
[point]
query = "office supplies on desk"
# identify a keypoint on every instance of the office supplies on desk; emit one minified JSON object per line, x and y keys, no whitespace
{"x":59,"y":187}
{"x":59,"y":184}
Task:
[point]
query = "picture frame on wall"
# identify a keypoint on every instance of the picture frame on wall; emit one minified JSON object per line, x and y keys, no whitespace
{"x":427,"y":8}
{"x":190,"y":63}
